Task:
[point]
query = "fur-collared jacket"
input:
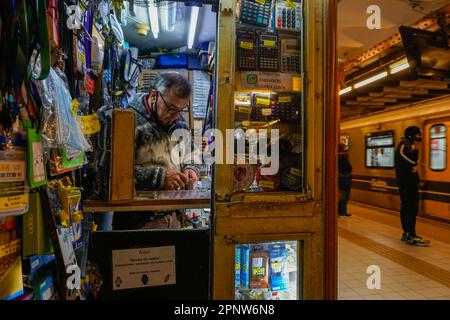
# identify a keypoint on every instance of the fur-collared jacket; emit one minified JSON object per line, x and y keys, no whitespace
{"x":153,"y":147}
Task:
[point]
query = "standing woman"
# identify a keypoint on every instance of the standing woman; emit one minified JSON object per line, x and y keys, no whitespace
{"x":345,"y":180}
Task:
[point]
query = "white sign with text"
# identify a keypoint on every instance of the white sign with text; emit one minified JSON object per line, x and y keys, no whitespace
{"x":143,"y":267}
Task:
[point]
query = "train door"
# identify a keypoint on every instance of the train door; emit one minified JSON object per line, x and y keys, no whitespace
{"x":436,"y":191}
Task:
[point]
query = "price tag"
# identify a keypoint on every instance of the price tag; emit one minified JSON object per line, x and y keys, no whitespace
{"x":12,"y":171}
{"x":245,"y":109}
{"x":9,"y":248}
{"x":89,"y":84}
{"x":291,"y":4}
{"x":74,"y":106}
{"x":263,"y":101}
{"x":296,"y":83}
{"x":263,"y":2}
{"x":277,"y":267}
{"x":285,"y":99}
{"x":269,"y":43}
{"x":81,"y":58}
{"x":89,"y":124}
{"x":260,"y":271}
{"x":246,"y":45}
{"x":13,"y":202}
{"x":267,"y":184}
{"x":266,"y":112}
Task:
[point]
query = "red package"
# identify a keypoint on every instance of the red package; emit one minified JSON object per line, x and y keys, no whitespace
{"x":259,"y":270}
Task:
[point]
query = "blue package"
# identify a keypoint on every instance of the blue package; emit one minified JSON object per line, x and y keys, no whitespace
{"x":237,"y":267}
{"x":278,"y":276}
{"x":173,"y":60}
{"x":194,"y":63}
{"x":245,"y":266}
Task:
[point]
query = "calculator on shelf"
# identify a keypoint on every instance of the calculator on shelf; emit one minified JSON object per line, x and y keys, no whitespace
{"x":288,"y":16}
{"x":263,"y":106}
{"x":268,"y":52}
{"x":290,"y":55}
{"x":287,"y":107}
{"x":255,"y":12}
{"x":276,"y":106}
{"x":246,"y":50}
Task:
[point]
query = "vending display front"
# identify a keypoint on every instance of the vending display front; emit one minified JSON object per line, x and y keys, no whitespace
{"x":269,"y":197}
{"x":267,"y":271}
{"x":268,"y":94}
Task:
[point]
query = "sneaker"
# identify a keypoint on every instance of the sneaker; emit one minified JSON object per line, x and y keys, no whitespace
{"x":404,"y":236}
{"x":420,"y":239}
{"x":345,"y":215}
{"x":413,"y":241}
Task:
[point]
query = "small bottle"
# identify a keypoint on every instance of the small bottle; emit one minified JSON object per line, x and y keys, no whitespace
{"x":195,"y":220}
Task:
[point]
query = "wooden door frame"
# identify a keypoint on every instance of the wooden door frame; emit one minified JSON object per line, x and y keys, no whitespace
{"x":331,"y":127}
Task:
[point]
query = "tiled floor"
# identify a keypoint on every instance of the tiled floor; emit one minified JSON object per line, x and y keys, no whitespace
{"x":398,"y":282}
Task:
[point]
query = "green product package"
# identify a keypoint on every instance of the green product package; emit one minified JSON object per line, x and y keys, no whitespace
{"x":71,"y":159}
{"x":36,"y":233}
{"x":37,"y":171}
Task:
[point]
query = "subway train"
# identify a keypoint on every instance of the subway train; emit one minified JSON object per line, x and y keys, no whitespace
{"x":371,"y":142}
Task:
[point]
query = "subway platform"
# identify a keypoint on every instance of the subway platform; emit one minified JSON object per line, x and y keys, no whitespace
{"x":371,"y":238}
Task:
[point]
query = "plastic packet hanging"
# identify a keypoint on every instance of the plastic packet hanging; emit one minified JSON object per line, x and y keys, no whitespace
{"x":59,"y":127}
{"x":13,"y":187}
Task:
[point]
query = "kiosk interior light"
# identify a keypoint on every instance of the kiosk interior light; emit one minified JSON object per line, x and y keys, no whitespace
{"x":192,"y":26}
{"x":154,"y":18}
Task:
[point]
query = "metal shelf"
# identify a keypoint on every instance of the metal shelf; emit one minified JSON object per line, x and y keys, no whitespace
{"x":153,"y":201}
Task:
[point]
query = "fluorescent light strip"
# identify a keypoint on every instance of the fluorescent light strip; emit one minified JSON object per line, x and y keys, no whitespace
{"x":153,"y":16}
{"x":345,"y":90}
{"x":399,"y":68}
{"x":371,"y":79}
{"x":193,"y":26}
{"x":166,"y":16}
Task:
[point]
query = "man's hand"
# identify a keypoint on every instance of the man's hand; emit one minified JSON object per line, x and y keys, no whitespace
{"x":414,"y":170}
{"x":174,"y":180}
{"x":192,"y":177}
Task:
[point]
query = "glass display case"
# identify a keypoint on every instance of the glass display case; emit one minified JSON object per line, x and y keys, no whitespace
{"x":267,"y":271}
{"x":268,"y":97}
{"x":269,"y":198}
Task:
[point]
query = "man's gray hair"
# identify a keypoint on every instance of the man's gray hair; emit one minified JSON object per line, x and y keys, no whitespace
{"x":172,"y":80}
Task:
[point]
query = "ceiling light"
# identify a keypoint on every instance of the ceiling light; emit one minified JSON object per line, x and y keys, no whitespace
{"x":193,"y":26}
{"x":371,"y":79}
{"x":153,"y":16}
{"x":345,"y":90}
{"x":168,"y":15}
{"x":399,"y":68}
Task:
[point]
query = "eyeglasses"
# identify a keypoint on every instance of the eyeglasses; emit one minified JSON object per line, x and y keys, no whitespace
{"x":170,"y":107}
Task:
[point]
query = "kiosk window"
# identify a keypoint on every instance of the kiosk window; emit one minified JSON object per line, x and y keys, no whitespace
{"x":438,"y":150}
{"x":380,"y":150}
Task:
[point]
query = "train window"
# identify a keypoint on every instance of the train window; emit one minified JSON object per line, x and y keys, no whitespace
{"x":438,"y":149}
{"x":380,"y":150}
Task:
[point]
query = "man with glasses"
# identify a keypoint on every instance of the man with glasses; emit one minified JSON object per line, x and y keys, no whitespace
{"x":158,"y":115}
